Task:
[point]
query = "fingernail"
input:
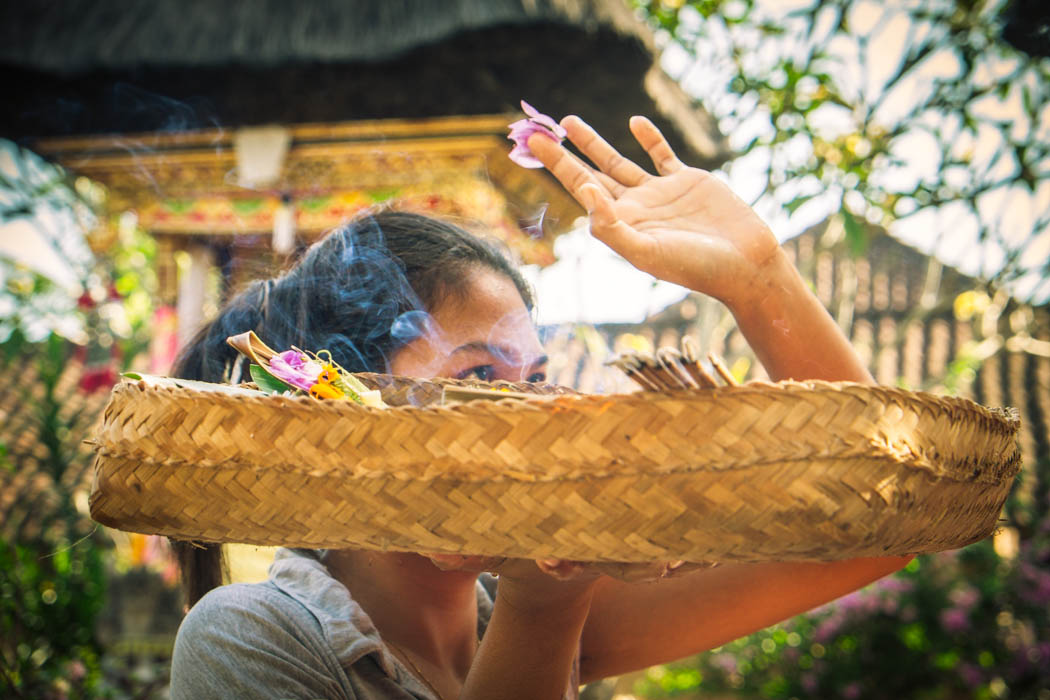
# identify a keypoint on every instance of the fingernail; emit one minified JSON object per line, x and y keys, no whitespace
{"x":589,"y":201}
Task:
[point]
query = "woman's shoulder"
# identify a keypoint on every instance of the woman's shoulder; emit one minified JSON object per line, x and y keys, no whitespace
{"x":284,"y":600}
{"x":249,"y":638}
{"x":237,"y":596}
{"x":246,"y":615}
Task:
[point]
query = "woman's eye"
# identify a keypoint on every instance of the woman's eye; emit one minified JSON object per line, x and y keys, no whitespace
{"x":483,"y":372}
{"x":537,"y":378}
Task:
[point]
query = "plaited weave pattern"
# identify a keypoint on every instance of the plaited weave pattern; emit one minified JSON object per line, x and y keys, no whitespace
{"x":792,"y":470}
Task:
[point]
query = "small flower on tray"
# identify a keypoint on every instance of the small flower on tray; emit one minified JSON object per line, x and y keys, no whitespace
{"x":521,"y":130}
{"x":295,"y":371}
{"x":295,"y":368}
{"x":324,"y":390}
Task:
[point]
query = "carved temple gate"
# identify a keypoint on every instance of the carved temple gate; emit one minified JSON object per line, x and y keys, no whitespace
{"x":244,"y":201}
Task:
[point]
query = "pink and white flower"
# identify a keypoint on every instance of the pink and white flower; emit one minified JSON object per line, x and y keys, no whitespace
{"x":296,"y":369}
{"x":521,"y":130}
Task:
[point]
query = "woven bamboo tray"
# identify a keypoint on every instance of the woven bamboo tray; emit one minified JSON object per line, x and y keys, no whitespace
{"x":786,"y":471}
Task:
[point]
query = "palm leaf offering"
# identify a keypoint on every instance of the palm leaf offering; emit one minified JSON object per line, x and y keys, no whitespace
{"x":296,"y":371}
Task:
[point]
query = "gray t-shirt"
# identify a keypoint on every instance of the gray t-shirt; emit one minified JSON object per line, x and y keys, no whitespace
{"x":298,"y":635}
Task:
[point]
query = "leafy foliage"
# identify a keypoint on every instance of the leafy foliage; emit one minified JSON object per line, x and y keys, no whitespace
{"x":53,"y":581}
{"x":53,"y":575}
{"x":50,"y":599}
{"x":106,"y":307}
{"x":908,"y":115}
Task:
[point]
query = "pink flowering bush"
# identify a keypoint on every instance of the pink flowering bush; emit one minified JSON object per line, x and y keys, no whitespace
{"x":968,"y":624}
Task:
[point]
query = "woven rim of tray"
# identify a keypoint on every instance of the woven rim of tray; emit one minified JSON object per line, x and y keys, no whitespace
{"x":786,"y":470}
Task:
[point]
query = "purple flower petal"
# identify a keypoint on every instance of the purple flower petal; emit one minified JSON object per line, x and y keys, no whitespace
{"x":523,"y":157}
{"x":295,"y":369}
{"x":521,"y":130}
{"x":543,"y":120}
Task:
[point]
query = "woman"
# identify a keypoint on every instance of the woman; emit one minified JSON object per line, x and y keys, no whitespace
{"x":387,"y":625}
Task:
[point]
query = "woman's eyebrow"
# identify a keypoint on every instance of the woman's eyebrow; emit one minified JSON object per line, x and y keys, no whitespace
{"x":500,"y":351}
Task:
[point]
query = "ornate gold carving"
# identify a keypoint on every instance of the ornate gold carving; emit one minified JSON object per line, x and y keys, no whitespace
{"x":186,"y":184}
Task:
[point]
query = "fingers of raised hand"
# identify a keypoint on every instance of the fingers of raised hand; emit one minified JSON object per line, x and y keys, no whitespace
{"x":570,"y":171}
{"x":610,"y":185}
{"x":602,"y":154}
{"x":611,"y":230}
{"x":649,"y":137}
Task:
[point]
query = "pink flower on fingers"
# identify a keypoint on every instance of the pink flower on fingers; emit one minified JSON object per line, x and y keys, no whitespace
{"x":296,"y":369}
{"x":521,"y":130}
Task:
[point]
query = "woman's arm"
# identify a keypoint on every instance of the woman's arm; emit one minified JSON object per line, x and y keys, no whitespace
{"x":685,"y":226}
{"x":633,"y":626}
{"x":532,"y":638}
{"x":792,"y":333}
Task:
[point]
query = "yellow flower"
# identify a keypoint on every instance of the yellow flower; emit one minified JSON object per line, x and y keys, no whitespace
{"x":328,"y":374}
{"x":324,"y":390}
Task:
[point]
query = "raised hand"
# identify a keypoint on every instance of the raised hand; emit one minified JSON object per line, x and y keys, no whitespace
{"x":683,"y":225}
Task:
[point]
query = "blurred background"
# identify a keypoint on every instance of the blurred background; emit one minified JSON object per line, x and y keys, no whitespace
{"x":157,"y":156}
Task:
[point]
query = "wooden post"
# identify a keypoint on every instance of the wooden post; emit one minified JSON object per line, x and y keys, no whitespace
{"x":164,"y":342}
{"x":189,"y":308}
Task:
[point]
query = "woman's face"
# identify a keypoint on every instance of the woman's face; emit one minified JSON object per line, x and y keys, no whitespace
{"x":485,"y":333}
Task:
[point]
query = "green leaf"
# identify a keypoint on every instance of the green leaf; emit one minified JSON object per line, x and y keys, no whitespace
{"x":797,"y":202}
{"x":268,"y":383}
{"x":856,"y":236}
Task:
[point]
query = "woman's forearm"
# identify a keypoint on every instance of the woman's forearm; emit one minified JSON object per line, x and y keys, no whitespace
{"x":529,"y":645}
{"x":791,"y":332}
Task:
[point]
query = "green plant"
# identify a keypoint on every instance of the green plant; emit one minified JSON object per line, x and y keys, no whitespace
{"x":884,"y":113}
{"x":54,"y":564}
{"x":52,"y":581}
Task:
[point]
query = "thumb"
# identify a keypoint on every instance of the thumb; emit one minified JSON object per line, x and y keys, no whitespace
{"x":599,"y":210}
{"x":608,"y":228}
{"x":591,"y":197}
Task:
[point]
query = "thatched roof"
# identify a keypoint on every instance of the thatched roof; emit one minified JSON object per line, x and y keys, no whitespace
{"x":116,"y":34}
{"x":100,"y":66}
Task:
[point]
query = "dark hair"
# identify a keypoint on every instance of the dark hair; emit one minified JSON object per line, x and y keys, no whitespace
{"x":360,"y":292}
